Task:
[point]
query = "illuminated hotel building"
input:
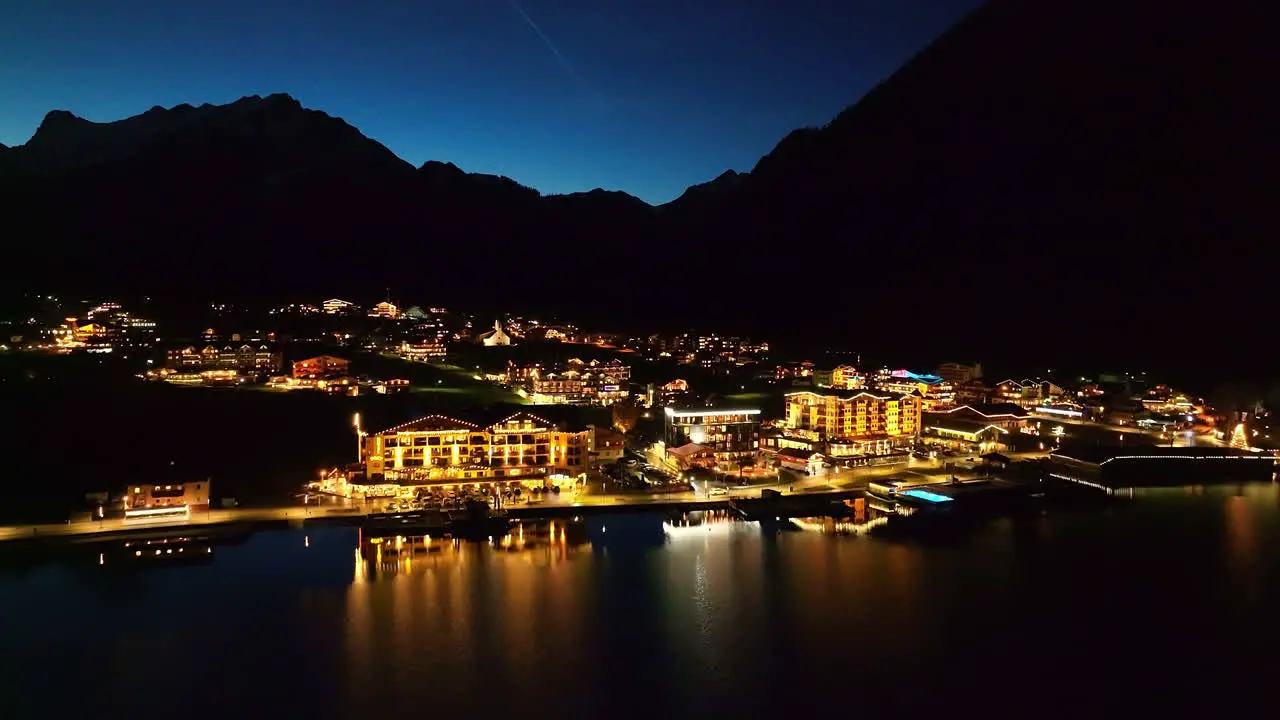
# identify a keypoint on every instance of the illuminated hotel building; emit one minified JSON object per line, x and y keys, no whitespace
{"x":1006,"y":416}
{"x":1027,"y":393}
{"x":385,"y":309}
{"x":249,"y":359}
{"x":1165,"y":400}
{"x":334,"y":306}
{"x":580,"y":383}
{"x":937,"y":393}
{"x":567,"y":388}
{"x":866,"y":422}
{"x":194,"y":495}
{"x":959,"y":373}
{"x":728,"y":435}
{"x":844,"y":377}
{"x":440,"y":450}
{"x":321,"y":367}
{"x":423,"y":348}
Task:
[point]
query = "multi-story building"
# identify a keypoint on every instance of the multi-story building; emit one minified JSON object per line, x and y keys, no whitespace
{"x":842,"y":377}
{"x":518,"y":375}
{"x":194,"y":495}
{"x":334,"y":306}
{"x":576,"y":383}
{"x":614,"y":371}
{"x":256,"y":358}
{"x":385,"y":309}
{"x":964,"y":434}
{"x":566,"y":388}
{"x":1165,"y":400}
{"x":1006,"y":416}
{"x":605,"y":382}
{"x":866,"y":422}
{"x":936,"y":392}
{"x":423,"y":348}
{"x":439,"y":450}
{"x":729,"y":435}
{"x":671,"y":393}
{"x":1027,"y":393}
{"x":974,"y":392}
{"x":959,"y":373}
{"x":106,"y":327}
{"x":606,"y":445}
{"x":321,"y":367}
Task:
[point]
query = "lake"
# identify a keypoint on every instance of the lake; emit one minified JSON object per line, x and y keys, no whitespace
{"x":1165,"y":603}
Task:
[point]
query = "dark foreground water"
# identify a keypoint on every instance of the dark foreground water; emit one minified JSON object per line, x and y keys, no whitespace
{"x":1166,"y":604}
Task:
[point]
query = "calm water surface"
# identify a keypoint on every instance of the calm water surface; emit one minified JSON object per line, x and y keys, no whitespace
{"x":1167,"y":603}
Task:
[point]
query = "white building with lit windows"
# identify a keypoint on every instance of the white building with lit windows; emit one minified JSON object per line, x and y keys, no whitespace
{"x":731,"y":435}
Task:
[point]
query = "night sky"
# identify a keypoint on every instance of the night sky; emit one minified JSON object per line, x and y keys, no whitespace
{"x":646,"y":96}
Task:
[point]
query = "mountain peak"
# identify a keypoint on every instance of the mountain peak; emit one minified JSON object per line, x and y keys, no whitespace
{"x":600,"y":195}
{"x":278,"y":125}
{"x":59,"y":119}
{"x":436,"y":166}
{"x":710,"y":192}
{"x":281,"y":100}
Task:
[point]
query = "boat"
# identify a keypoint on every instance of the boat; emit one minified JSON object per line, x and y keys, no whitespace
{"x":425,"y":522}
{"x":967,"y":497}
{"x":477,"y":520}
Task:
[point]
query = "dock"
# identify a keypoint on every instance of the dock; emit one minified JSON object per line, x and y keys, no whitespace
{"x":242,"y":520}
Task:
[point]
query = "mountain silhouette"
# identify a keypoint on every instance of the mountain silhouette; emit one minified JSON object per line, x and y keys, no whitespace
{"x":1047,"y":178}
{"x":1040,"y":174}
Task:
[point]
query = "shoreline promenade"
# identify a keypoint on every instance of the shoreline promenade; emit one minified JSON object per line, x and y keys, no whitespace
{"x":835,"y":486}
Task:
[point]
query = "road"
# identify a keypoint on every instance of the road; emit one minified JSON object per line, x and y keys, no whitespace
{"x":1178,"y":439}
{"x":844,"y":480}
{"x":196,"y":519}
{"x":856,"y":478}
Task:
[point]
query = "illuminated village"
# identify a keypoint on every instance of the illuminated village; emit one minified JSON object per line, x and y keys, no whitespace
{"x":558,"y":413}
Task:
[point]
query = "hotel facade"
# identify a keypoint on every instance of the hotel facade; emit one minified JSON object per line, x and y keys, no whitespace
{"x":151,"y":496}
{"x":724,"y":435}
{"x":437,"y":450}
{"x":576,"y":383}
{"x":862,"y":423}
{"x":246,"y":358}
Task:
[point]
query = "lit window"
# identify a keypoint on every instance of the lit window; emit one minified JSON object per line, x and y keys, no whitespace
{"x":137,"y":490}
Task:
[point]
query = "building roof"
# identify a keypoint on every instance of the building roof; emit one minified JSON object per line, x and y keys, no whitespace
{"x":925,"y":378}
{"x":496,"y":336}
{"x":706,"y":412}
{"x":488,"y":420}
{"x":796,"y":454}
{"x":991,"y":410}
{"x":689,"y":449}
{"x":852,"y":394}
{"x":431,"y":423}
{"x":995,"y":457}
{"x":322,"y":358}
{"x":959,"y":424}
{"x":520,"y":417}
{"x":1103,"y":454}
{"x":232,"y":347}
{"x":1027,"y":382}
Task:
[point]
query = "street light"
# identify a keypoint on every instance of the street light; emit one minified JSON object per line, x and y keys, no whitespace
{"x":355,"y":421}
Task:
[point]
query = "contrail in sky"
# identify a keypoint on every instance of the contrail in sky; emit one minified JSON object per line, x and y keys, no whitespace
{"x":568,"y":66}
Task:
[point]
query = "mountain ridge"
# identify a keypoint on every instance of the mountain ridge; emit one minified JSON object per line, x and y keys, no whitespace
{"x":1031,"y":159}
{"x":57,"y":123}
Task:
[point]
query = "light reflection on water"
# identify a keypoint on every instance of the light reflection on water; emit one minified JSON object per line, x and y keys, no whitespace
{"x":670,"y":616}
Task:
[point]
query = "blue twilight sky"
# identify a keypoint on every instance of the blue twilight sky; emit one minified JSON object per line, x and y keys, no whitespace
{"x":646,"y":96}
